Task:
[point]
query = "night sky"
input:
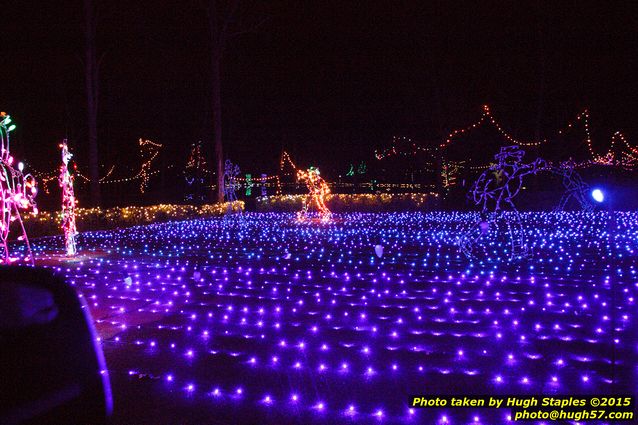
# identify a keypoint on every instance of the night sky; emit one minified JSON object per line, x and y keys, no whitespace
{"x":327,"y":81}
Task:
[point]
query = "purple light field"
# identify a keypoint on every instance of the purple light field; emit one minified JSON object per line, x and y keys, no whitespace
{"x":265,"y":320}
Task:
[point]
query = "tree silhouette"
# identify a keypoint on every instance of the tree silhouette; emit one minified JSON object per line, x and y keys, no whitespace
{"x":91,"y":81}
{"x":227,"y":20}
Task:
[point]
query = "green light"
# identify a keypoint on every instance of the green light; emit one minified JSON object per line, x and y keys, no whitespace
{"x":7,"y":120}
{"x":12,"y":127}
{"x":350,"y":172}
{"x":362,"y":168}
{"x":249,"y":184}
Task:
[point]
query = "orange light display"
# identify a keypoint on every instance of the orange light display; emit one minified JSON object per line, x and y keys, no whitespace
{"x":317,"y":191}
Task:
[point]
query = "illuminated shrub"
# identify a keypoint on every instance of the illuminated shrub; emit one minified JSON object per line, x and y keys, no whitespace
{"x":353,"y":202}
{"x":47,"y":223}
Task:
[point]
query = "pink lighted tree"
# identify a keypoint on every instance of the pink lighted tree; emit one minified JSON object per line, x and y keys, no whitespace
{"x":17,"y":190}
{"x":68,"y":202}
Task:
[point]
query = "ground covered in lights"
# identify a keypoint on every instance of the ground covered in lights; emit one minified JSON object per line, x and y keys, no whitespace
{"x":263,"y":320}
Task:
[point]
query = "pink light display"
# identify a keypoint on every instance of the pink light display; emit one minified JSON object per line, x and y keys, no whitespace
{"x":17,"y":190}
{"x":68,"y":202}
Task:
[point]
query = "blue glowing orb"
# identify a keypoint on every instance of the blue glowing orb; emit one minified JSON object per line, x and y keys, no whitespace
{"x":598,"y":195}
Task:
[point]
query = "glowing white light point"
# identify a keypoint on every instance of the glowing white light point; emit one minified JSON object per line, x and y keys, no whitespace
{"x":598,"y":195}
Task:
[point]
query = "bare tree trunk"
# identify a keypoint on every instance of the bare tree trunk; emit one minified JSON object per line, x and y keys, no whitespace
{"x":438,"y":161}
{"x":541,"y":82}
{"x":541,"y":95}
{"x":217,"y":47}
{"x":91,"y":76}
{"x":217,"y":124}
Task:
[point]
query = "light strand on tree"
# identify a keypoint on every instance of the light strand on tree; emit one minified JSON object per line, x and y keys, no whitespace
{"x":108,"y":173}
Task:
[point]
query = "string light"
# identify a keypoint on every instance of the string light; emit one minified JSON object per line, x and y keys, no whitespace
{"x":106,"y":176}
{"x":69,"y":202}
{"x":350,"y":172}
{"x":487,"y":116}
{"x":352,"y":202}
{"x":449,"y":172}
{"x":610,"y":157}
{"x":99,"y":218}
{"x":401,"y":146}
{"x":45,"y":179}
{"x":262,"y":179}
{"x":283,"y":160}
{"x":628,"y":158}
{"x":362,"y":168}
{"x":584,"y":116}
{"x":85,"y":178}
{"x":149,"y":151}
{"x":196,"y":158}
{"x":142,"y":174}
